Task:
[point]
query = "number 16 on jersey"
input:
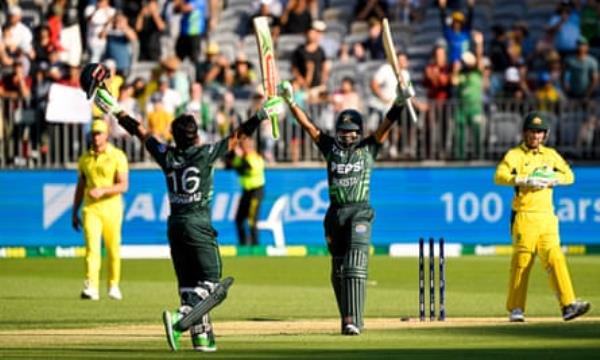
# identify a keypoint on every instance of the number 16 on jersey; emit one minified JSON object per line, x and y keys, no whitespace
{"x":266,"y":53}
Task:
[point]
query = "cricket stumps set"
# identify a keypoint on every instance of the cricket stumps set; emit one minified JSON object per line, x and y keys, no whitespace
{"x":441,"y":279}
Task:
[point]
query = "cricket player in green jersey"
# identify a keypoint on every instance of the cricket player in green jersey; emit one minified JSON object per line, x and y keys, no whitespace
{"x":348,"y":221}
{"x":188,"y":168}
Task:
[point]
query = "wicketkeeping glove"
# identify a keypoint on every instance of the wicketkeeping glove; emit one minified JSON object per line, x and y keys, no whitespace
{"x":93,"y":76}
{"x":106,"y":102}
{"x":285,"y":89}
{"x":272,"y":108}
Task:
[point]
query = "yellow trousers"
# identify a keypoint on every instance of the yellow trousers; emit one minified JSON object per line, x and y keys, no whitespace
{"x":537,"y":234}
{"x":102,"y":221}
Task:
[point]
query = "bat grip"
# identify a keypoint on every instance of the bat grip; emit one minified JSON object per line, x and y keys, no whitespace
{"x":411,"y":110}
{"x":275,"y":126}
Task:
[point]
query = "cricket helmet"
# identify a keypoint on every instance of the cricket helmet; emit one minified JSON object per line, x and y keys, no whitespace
{"x":347,"y":121}
{"x":535,"y":121}
{"x":92,"y":75}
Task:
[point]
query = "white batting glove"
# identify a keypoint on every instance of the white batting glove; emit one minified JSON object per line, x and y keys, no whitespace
{"x":272,"y":108}
{"x":404,"y":94}
{"x":106,"y":102}
{"x":531,"y":182}
{"x":285,"y":89}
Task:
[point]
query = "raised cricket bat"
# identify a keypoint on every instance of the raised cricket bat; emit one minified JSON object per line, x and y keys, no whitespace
{"x":268,"y":69}
{"x":390,"y":54}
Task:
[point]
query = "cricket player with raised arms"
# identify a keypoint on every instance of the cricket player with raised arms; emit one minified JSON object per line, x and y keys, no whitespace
{"x":348,"y":222}
{"x":188,"y":169}
{"x":534,"y":170}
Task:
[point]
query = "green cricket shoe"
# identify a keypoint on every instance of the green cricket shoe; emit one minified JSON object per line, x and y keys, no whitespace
{"x":204,"y":342}
{"x":170,"y":318}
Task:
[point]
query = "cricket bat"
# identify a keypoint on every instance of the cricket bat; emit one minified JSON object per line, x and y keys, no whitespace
{"x":268,"y":69}
{"x":390,"y":54}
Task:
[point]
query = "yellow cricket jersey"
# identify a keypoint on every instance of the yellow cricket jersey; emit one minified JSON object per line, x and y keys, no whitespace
{"x":522,"y":161}
{"x":100,"y":169}
{"x":252,"y":170}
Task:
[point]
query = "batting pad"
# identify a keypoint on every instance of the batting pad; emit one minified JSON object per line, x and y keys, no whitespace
{"x":203,"y":307}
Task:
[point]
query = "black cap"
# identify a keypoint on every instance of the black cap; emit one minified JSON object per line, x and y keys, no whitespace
{"x":350,"y":120}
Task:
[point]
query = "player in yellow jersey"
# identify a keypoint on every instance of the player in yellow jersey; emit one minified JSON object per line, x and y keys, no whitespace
{"x":102,"y":181}
{"x":534,"y":169}
{"x":250,"y":166}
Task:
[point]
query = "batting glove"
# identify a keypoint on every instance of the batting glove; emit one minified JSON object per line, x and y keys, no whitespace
{"x":404,"y":94}
{"x":273,"y":107}
{"x":531,"y":182}
{"x":106,"y":102}
{"x":285,"y":89}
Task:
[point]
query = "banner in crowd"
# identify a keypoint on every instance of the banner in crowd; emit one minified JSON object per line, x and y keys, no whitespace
{"x":460,"y":204}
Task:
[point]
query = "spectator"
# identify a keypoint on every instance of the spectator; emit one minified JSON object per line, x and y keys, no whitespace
{"x":214,"y":73}
{"x":5,"y":59}
{"x":581,"y":73}
{"x":366,"y":9}
{"x":244,"y":76}
{"x":16,"y":84}
{"x":514,"y":89}
{"x":296,"y":18}
{"x":98,"y":18}
{"x":178,"y":80}
{"x":272,"y":9}
{"x":169,"y":98}
{"x":102,"y":179}
{"x":20,"y":34}
{"x":42,"y":44}
{"x":437,"y":75}
{"x":149,"y":25}
{"x":227,"y":117}
{"x":160,"y":118}
{"x":199,"y":107}
{"x":72,"y":78}
{"x":129,"y":104}
{"x":372,"y":46}
{"x":520,"y":42}
{"x":55,"y":14}
{"x":547,"y":95}
{"x":310,"y":67}
{"x":499,"y":49}
{"x":457,"y":35}
{"x":347,"y":97}
{"x":590,"y":22}
{"x":565,"y":27}
{"x":467,"y":77}
{"x":384,"y":81}
{"x":193,"y":26}
{"x":119,"y":37}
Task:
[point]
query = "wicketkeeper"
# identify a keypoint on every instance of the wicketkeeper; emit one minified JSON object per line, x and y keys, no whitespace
{"x":348,"y":223}
{"x":188,"y":169}
{"x":534,"y":169}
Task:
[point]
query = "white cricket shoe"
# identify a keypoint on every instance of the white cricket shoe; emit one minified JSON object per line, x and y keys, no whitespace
{"x":115,"y":293}
{"x":350,"y":329}
{"x":89,"y":293}
{"x":516,"y":315}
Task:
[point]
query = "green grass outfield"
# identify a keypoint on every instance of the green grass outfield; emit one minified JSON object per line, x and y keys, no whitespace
{"x":284,"y":308}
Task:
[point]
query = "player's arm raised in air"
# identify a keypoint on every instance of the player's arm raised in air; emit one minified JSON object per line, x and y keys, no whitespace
{"x":393,"y":115}
{"x":109,"y":105}
{"x":286,"y":91}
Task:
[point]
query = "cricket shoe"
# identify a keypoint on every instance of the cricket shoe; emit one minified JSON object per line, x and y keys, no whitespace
{"x":575,"y":309}
{"x":350,"y":329}
{"x":115,"y":293}
{"x":89,"y":293}
{"x":204,"y":342}
{"x":170,"y":318}
{"x":516,"y":315}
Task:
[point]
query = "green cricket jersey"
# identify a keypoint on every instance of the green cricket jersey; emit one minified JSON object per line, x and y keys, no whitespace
{"x":189,"y":174}
{"x":348,"y":170}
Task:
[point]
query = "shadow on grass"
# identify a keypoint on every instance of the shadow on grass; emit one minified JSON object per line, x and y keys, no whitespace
{"x":131,"y":353}
{"x":560,"y":330}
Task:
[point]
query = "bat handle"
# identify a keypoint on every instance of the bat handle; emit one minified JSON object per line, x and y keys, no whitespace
{"x":411,"y":110}
{"x":275,"y":126}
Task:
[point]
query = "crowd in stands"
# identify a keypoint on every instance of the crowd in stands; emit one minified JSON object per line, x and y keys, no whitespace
{"x":476,"y":65}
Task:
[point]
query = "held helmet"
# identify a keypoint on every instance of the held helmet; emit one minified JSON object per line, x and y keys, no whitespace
{"x":92,"y":75}
{"x":348,"y":121}
{"x":535,"y":121}
{"x":185,"y":131}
